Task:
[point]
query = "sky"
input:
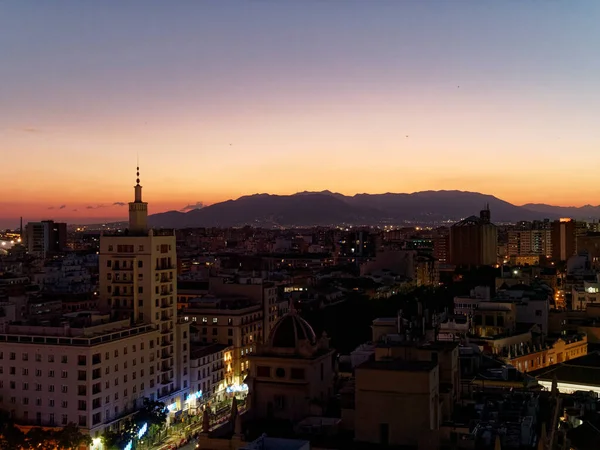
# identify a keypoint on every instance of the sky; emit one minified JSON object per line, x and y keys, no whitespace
{"x":220,"y":99}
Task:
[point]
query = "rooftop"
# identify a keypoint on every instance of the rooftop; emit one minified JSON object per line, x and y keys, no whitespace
{"x":582,"y":370}
{"x":400,"y":365}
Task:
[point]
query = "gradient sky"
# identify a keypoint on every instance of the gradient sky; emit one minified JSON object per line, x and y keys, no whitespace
{"x":227,"y":98}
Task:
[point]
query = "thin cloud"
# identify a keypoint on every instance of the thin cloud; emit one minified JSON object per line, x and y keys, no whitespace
{"x":62,"y":206}
{"x":119,"y":204}
{"x":74,"y":210}
{"x":191,"y":207}
{"x":29,"y":130}
{"x":50,"y":207}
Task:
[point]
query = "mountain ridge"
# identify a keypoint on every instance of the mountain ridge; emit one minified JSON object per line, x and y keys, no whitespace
{"x":327,"y":208}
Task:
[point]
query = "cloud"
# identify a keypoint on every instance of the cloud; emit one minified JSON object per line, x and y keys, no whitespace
{"x":29,"y":130}
{"x":75,"y":210}
{"x":50,"y":207}
{"x":62,"y":206}
{"x":119,"y":204}
{"x":191,"y":207}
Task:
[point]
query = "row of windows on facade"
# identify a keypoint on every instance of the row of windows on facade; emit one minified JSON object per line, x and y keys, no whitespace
{"x":82,"y":375}
{"x":163,"y":248}
{"x":82,"y":420}
{"x":96,"y":357}
{"x":162,"y":278}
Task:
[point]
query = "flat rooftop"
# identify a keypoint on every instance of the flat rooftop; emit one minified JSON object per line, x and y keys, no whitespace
{"x":399,"y":365}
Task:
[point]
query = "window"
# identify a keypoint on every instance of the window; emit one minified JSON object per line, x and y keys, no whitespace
{"x":64,"y":359}
{"x":64,"y":389}
{"x":25,"y":372}
{"x":50,"y":358}
{"x":25,"y":356}
{"x":64,"y":374}
{"x":280,"y":373}
{"x":50,"y":388}
{"x":215,"y":320}
{"x":141,"y":263}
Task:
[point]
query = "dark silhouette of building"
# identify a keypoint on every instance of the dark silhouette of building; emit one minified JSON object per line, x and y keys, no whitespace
{"x":564,"y":239}
{"x":45,"y":237}
{"x":474,"y":241}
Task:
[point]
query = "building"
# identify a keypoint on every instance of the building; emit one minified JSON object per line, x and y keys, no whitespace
{"x":396,"y":401}
{"x":474,"y":241}
{"x":232,"y":321}
{"x":207,"y":374}
{"x":532,"y":242}
{"x":45,"y":237}
{"x":564,"y":239}
{"x":292,"y":374}
{"x":90,"y":371}
{"x":137,"y":279}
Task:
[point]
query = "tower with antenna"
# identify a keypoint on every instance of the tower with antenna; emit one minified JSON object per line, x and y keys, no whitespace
{"x":138,"y":209}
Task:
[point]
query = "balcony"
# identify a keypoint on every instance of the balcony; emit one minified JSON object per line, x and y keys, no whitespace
{"x":166,"y":380}
{"x":166,"y":305}
{"x":122,"y":269}
{"x":165,"y":267}
{"x":166,"y":355}
{"x":166,"y":330}
{"x":165,"y":343}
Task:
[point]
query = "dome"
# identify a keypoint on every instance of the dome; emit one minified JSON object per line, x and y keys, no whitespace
{"x":291,"y":330}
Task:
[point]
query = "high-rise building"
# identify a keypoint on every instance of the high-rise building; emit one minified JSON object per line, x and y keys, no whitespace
{"x":138,"y":281}
{"x":474,"y":241}
{"x":564,"y":239}
{"x":44,"y":237}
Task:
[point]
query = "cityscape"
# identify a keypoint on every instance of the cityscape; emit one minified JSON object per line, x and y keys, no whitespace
{"x":375,"y":262}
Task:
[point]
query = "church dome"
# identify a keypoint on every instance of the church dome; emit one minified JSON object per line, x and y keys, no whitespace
{"x":290,"y":331}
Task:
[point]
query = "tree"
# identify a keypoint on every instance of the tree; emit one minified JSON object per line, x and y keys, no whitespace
{"x":40,"y":439}
{"x":70,"y":438}
{"x":152,"y":413}
{"x":10,"y":436}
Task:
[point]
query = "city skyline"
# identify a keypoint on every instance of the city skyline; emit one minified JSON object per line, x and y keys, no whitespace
{"x":230,"y":99}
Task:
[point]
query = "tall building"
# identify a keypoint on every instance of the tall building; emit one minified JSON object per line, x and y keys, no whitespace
{"x":138,"y":282}
{"x":44,"y":237}
{"x":474,"y":241}
{"x":564,"y":239}
{"x":530,"y":242}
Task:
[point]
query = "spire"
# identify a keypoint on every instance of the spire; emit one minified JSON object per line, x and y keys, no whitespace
{"x":138,"y":210}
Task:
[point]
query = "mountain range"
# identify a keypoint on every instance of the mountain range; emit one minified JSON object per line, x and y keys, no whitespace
{"x":329,"y":208}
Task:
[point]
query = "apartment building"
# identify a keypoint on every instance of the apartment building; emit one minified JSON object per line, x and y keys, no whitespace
{"x":91,"y":371}
{"x":232,"y":321}
{"x":256,"y":289}
{"x":207,"y":374}
{"x":530,"y":243}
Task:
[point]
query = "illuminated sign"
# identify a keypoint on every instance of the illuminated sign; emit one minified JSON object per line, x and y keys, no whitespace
{"x":129,"y":446}
{"x":172,"y":407}
{"x":195,"y":395}
{"x":142,"y":431}
{"x":237,"y":388}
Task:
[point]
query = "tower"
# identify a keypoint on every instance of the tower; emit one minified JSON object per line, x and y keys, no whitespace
{"x":138,"y":282}
{"x":484,"y":214}
{"x":138,"y":210}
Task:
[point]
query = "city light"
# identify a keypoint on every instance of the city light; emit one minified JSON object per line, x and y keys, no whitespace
{"x":237,"y":388}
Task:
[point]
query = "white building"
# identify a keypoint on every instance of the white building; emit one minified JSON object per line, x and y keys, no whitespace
{"x":91,"y":372}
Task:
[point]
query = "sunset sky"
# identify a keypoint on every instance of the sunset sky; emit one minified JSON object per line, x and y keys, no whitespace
{"x":227,"y":98}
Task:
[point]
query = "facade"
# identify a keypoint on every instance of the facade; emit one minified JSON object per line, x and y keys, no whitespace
{"x":564,"y":239}
{"x":292,"y":374}
{"x":396,"y":401}
{"x":44,"y":237}
{"x":474,"y":241}
{"x":231,"y":321}
{"x":92,"y":373}
{"x":207,"y":374}
{"x":527,"y":243}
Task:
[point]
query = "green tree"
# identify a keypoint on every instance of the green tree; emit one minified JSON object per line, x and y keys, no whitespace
{"x":152,"y":413}
{"x":70,"y":438}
